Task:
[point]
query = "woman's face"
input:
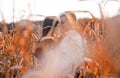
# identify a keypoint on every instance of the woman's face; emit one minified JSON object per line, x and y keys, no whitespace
{"x":63,"y":19}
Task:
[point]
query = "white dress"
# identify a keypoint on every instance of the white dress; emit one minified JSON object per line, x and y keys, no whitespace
{"x":60,"y":62}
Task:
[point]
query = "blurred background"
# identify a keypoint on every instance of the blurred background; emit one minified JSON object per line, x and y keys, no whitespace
{"x":13,"y":9}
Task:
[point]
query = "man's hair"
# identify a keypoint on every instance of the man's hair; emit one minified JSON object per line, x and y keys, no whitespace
{"x":49,"y":21}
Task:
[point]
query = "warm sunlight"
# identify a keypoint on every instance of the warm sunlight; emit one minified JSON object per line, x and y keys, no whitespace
{"x":52,"y":7}
{"x":59,"y":38}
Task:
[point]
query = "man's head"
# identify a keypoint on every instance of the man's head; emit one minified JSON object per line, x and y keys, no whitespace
{"x":48,"y":23}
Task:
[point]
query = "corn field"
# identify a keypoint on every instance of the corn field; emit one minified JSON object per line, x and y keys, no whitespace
{"x":24,"y":48}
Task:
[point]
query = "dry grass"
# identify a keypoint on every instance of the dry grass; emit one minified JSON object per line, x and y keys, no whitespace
{"x":16,"y":51}
{"x":17,"y":47}
{"x":105,"y":50}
